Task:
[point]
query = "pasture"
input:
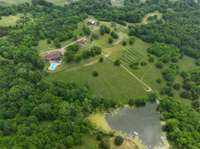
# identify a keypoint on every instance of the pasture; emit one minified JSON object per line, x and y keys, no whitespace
{"x":112,"y":83}
{"x":118,"y":83}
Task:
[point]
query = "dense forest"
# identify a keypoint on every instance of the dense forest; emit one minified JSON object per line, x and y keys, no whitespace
{"x":37,"y":114}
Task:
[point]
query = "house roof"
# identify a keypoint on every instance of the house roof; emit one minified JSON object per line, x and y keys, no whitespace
{"x":55,"y":55}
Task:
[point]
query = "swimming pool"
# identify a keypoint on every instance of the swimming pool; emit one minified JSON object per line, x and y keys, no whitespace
{"x":53,"y":66}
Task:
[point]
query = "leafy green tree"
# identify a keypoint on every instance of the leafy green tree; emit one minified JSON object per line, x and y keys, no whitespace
{"x":119,"y":140}
{"x":104,"y":30}
{"x":117,"y":62}
{"x":114,"y":35}
{"x":86,"y":30}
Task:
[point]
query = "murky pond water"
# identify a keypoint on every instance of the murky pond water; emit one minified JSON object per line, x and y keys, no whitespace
{"x":142,"y":121}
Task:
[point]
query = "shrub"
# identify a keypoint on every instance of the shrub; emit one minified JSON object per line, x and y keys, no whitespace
{"x":159,"y":65}
{"x":117,"y":62}
{"x":114,"y":35}
{"x":86,"y":30}
{"x":105,"y":144}
{"x":152,"y":97}
{"x":77,"y":58}
{"x":159,"y":80}
{"x":131,"y":40}
{"x":134,"y":65}
{"x":74,"y":48}
{"x":86,"y":54}
{"x":143,"y":63}
{"x":110,"y":40}
{"x":95,"y":74}
{"x":131,"y":102}
{"x":151,"y":59}
{"x":69,"y":56}
{"x":101,"y":59}
{"x":140,"y":102}
{"x":104,"y":30}
{"x":57,"y":43}
{"x":94,"y":36}
{"x":177,"y":86}
{"x":118,"y":140}
{"x":99,"y":137}
{"x":95,"y":51}
{"x":124,"y":43}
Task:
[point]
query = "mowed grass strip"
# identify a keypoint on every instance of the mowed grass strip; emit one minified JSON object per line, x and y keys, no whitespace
{"x":112,"y":83}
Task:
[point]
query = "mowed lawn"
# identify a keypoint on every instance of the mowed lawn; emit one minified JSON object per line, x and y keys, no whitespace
{"x":11,"y":20}
{"x":112,"y":83}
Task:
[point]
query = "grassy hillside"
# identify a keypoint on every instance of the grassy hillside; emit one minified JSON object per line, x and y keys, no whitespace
{"x":112,"y":83}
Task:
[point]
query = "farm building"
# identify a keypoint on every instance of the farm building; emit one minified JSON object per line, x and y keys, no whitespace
{"x":92,"y":22}
{"x":53,"y":56}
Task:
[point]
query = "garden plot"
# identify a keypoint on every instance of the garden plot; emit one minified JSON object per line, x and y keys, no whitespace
{"x":130,"y":56}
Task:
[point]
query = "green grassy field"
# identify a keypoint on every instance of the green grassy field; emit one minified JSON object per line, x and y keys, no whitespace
{"x":44,"y":46}
{"x":13,"y":2}
{"x":112,"y":83}
{"x":11,"y":20}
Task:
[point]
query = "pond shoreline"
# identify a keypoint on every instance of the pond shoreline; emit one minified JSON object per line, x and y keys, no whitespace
{"x":99,"y":121}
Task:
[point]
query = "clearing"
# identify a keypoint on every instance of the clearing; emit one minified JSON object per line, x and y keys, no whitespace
{"x":11,"y":20}
{"x":114,"y":83}
{"x":13,"y":2}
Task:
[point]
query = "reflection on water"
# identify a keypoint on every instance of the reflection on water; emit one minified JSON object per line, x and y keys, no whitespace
{"x":143,"y":121}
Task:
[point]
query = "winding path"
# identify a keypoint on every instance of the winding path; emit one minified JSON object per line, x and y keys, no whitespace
{"x":62,"y":49}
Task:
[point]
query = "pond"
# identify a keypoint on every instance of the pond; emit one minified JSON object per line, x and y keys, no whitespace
{"x":142,"y":121}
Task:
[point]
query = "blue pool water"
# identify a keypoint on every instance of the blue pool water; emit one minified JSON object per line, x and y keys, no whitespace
{"x":53,"y":66}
